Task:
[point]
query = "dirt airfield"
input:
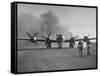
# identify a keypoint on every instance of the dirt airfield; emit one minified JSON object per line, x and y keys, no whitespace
{"x":42,"y":59}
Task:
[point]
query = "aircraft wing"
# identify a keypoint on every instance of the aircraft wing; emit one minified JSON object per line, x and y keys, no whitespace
{"x":67,"y":41}
{"x":54,"y":41}
{"x":92,"y":38}
{"x":80,"y":39}
{"x":43,"y":40}
{"x":40,"y":40}
{"x":22,"y":39}
{"x":83,"y":39}
{"x":25,"y":39}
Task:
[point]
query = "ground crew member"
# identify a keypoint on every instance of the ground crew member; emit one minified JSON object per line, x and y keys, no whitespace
{"x":80,"y":47}
{"x":88,"y":48}
{"x":72,"y":42}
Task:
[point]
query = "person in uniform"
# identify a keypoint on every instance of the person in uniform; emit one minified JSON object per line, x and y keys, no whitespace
{"x":48,"y":42}
{"x":80,"y":47}
{"x":88,"y":47}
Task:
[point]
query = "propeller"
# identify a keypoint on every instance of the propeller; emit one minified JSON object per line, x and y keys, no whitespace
{"x":49,"y":34}
{"x":86,"y":37}
{"x":28,"y":34}
{"x":31,"y":37}
{"x":35,"y":34}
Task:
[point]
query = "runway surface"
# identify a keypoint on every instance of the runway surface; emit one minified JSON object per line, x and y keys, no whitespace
{"x":32,"y":60}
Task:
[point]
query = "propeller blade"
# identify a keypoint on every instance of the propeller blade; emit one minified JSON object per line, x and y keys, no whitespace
{"x":49,"y":34}
{"x":76,"y":36}
{"x":35,"y":34}
{"x":71,"y":34}
{"x":28,"y":34}
{"x":83,"y":34}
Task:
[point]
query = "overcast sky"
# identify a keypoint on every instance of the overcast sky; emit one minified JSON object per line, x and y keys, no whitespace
{"x":72,"y":19}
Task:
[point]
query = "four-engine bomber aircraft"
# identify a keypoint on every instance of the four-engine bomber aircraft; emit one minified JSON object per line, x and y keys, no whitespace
{"x":59,"y":40}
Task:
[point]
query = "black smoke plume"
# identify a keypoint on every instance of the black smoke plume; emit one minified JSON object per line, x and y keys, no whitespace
{"x":45,"y":23}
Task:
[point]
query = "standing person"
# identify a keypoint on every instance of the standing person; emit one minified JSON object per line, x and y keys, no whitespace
{"x":80,"y":47}
{"x":88,"y":48}
{"x":72,"y":42}
{"x":48,"y":42}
